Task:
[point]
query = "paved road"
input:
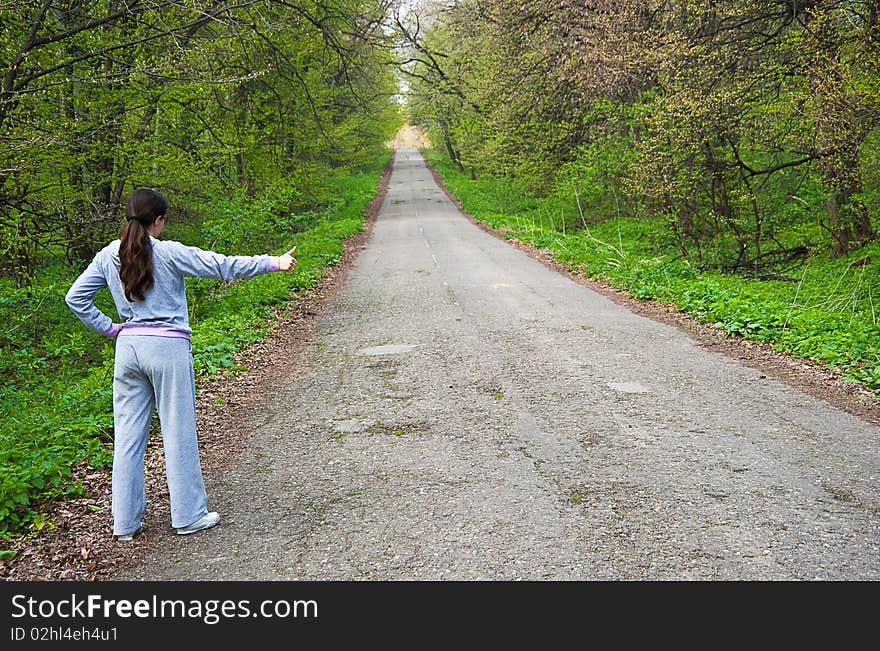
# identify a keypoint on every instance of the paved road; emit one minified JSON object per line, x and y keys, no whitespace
{"x":468,"y":413}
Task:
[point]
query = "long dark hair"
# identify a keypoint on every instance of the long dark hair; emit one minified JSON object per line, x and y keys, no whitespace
{"x":142,"y":208}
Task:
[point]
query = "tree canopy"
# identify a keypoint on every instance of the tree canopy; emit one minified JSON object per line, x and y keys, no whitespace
{"x":732,"y":121}
{"x":198,"y":98}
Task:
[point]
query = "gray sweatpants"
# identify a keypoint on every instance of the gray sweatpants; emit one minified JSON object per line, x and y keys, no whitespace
{"x":155,"y":372}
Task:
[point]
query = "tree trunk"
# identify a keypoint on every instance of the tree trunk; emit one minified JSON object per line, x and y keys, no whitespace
{"x":848,"y":218}
{"x":841,"y":124}
{"x":453,"y":155}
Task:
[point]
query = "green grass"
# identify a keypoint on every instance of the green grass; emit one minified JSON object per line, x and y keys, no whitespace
{"x":56,"y":389}
{"x":829,"y":315}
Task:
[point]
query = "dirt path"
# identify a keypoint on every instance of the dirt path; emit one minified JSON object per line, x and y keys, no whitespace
{"x":464,"y":412}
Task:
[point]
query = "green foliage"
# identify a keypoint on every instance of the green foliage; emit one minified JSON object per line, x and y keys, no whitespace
{"x":736,"y":124}
{"x":247,"y":100}
{"x":56,"y":396}
{"x":595,"y":178}
{"x":830,"y":314}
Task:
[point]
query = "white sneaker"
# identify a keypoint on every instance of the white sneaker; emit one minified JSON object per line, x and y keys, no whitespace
{"x":128,"y":536}
{"x":205,"y":522}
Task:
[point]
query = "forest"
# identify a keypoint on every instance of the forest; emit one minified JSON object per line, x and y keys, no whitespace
{"x":722,"y":157}
{"x":729,"y":120}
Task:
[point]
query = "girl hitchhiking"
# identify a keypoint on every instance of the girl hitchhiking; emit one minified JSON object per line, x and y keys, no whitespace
{"x":153,"y":366}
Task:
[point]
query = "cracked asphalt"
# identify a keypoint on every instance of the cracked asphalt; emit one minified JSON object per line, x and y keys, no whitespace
{"x":466,"y":413}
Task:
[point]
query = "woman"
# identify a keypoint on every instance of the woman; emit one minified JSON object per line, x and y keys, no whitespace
{"x":153,"y":363}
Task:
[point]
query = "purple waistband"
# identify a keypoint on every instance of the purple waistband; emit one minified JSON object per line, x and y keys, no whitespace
{"x":155,"y":331}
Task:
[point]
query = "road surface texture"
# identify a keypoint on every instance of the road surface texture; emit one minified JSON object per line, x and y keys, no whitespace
{"x":466,"y":413}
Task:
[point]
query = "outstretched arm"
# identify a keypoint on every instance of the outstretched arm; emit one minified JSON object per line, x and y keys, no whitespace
{"x":192,"y":261}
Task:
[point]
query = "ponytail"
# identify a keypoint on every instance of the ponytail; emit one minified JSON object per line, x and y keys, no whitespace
{"x":142,"y":209}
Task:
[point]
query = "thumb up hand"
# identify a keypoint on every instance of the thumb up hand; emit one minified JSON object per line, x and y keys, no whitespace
{"x":287,"y":262}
